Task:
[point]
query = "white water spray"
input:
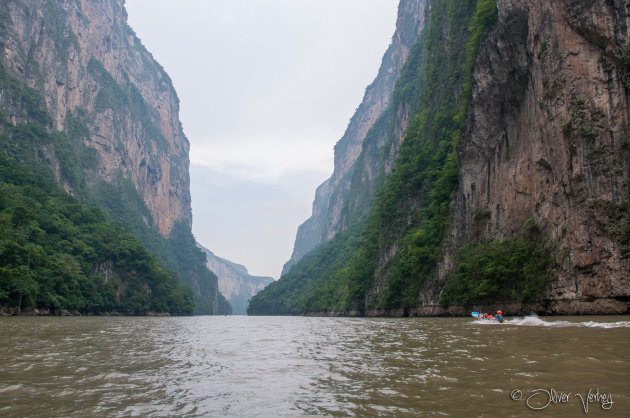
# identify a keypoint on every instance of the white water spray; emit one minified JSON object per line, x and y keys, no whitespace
{"x":536,"y":321}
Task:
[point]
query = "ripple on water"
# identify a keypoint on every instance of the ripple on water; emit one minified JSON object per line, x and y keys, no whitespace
{"x":240,"y":366}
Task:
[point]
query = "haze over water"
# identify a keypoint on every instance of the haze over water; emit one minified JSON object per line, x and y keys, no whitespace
{"x":292,"y":366}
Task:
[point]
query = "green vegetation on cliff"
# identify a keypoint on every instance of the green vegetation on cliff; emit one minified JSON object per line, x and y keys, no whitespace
{"x":59,"y":251}
{"x":59,"y":254}
{"x":316,"y":269}
{"x":516,"y":269}
{"x":124,"y":204}
{"x":178,"y":252}
{"x":410,"y":216}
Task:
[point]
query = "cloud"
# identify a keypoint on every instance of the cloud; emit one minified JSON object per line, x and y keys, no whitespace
{"x":266,"y":158}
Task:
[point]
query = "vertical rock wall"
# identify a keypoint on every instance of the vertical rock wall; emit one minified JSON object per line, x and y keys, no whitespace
{"x":548,"y":138}
{"x":330,"y":207}
{"x":235,"y":282}
{"x":88,"y":63}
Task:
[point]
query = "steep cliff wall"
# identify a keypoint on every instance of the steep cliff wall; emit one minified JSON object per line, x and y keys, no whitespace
{"x":235,"y":282}
{"x":86,"y":61}
{"x":512,"y":184}
{"x":548,"y":139}
{"x":332,"y":211}
{"x":354,"y":269}
{"x":116,"y":110}
{"x":542,"y":171}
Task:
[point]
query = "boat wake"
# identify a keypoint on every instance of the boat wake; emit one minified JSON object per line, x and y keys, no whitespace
{"x":536,"y":321}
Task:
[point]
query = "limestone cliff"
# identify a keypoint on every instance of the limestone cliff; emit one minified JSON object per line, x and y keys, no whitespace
{"x":235,"y":282}
{"x":548,"y":138}
{"x":86,"y":61}
{"x":546,"y":143}
{"x":512,"y":183}
{"x":332,"y":211}
{"x":126,"y":152}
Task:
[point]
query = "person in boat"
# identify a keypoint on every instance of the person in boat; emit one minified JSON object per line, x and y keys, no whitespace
{"x":499,"y":316}
{"x":485,"y":315}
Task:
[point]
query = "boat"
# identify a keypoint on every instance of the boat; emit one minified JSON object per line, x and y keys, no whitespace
{"x":479,"y":316}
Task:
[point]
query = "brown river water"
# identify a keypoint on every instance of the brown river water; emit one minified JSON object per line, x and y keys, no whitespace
{"x":295,"y":366}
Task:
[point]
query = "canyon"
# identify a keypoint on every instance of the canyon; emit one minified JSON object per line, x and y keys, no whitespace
{"x":539,"y":159}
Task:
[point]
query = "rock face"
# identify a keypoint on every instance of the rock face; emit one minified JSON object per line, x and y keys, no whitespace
{"x":87,"y":63}
{"x":332,"y":208}
{"x":120,"y":113}
{"x":548,"y":138}
{"x":544,"y":157}
{"x":235,"y":283}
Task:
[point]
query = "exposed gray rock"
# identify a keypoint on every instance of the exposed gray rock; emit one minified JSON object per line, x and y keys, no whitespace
{"x":333,"y":208}
{"x":235,"y":282}
{"x":57,"y":48}
{"x":547,"y":139}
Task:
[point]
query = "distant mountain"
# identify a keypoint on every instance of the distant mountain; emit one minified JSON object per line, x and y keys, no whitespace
{"x":235,"y":282}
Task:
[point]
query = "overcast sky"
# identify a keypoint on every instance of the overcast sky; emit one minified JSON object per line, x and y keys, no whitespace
{"x":266,"y":89}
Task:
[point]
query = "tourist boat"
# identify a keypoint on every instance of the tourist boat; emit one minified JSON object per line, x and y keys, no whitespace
{"x":479,"y":316}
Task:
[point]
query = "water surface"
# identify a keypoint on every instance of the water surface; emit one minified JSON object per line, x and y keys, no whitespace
{"x":293,"y":366}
